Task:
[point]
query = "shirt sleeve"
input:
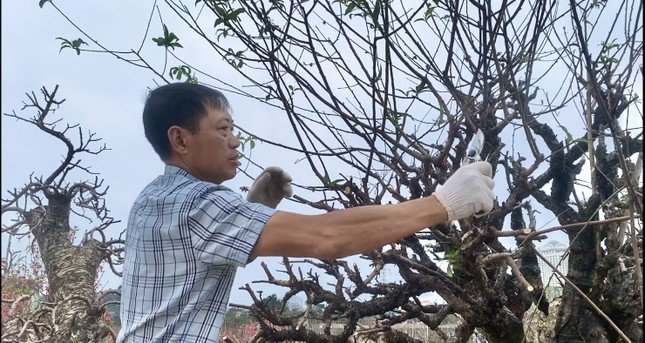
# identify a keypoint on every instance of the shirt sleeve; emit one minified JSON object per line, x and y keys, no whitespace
{"x":225,"y":227}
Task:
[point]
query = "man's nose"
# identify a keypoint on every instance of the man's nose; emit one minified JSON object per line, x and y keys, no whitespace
{"x":233,"y":142}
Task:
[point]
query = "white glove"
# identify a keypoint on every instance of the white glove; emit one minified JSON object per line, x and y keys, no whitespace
{"x":469,"y":191}
{"x":270,"y":187}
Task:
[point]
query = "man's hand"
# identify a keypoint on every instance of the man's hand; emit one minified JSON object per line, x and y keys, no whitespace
{"x":270,"y":187}
{"x":469,"y":191}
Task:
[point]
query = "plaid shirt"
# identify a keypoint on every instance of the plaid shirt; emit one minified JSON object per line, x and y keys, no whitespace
{"x":184,"y":242}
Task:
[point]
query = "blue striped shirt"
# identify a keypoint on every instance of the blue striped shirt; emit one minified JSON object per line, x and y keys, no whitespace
{"x":184,"y":241}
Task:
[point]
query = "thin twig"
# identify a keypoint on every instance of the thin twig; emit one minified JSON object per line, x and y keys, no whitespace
{"x":562,"y":227}
{"x":584,"y":296}
{"x":637,"y":259}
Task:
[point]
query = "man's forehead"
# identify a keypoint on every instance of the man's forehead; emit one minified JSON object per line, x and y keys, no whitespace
{"x":220,"y":115}
{"x":227,"y":117}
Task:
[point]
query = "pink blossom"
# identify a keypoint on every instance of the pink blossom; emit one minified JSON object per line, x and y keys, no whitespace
{"x":107,"y":318}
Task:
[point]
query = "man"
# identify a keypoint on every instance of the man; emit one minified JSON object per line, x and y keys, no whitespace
{"x":187,"y":234}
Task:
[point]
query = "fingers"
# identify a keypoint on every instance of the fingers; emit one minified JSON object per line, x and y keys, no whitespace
{"x":287,"y":190}
{"x":270,"y":187}
{"x":258,"y":178}
{"x":274,"y":181}
{"x":278,"y":174}
{"x":281,"y":180}
{"x":258,"y":190}
{"x":285,"y":184}
{"x":481,"y":213}
{"x":487,"y":201}
{"x":485,"y":206}
{"x":489,"y":182}
{"x":482,"y":167}
{"x":262,"y":181}
{"x":274,"y":170}
{"x":468,"y":191}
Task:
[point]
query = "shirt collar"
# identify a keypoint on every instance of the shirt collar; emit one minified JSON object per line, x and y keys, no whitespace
{"x":171,"y":170}
{"x":174,"y":170}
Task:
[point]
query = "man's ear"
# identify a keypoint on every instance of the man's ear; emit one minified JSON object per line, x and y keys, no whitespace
{"x":177,"y":138}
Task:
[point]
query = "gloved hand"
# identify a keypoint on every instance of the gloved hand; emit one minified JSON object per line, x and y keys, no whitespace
{"x":469,"y":191}
{"x":270,"y":187}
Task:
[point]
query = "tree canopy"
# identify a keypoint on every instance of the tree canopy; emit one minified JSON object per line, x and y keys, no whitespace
{"x":383,"y":97}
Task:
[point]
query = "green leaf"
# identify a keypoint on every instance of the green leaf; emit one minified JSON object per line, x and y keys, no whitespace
{"x":64,"y":44}
{"x":336,"y":182}
{"x":350,"y":8}
{"x":566,"y":132}
{"x":599,"y":3}
{"x":221,"y":11}
{"x":449,"y":271}
{"x":377,"y":11}
{"x":75,"y":44}
{"x":421,"y":86}
{"x":429,"y":12}
{"x":222,"y":33}
{"x":378,"y":76}
{"x":233,"y":15}
{"x":169,"y":39}
{"x":453,"y":255}
{"x":181,"y":71}
{"x":175,"y":73}
{"x":583,"y":140}
{"x":396,"y":116}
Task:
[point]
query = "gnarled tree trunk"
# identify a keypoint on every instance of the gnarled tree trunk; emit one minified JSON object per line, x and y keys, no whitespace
{"x":72,"y":312}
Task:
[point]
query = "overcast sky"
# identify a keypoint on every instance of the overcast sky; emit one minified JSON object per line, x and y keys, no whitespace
{"x":103,"y":95}
{"x":106,"y":96}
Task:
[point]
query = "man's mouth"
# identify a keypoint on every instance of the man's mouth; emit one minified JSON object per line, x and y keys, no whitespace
{"x":236,"y":159}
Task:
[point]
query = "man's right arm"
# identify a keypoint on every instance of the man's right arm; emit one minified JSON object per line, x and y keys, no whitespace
{"x":347,"y":232}
{"x":342,"y":233}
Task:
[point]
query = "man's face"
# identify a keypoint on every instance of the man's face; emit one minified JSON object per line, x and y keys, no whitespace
{"x":211,"y":152}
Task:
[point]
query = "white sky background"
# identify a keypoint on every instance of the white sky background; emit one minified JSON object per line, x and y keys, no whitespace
{"x":106,"y":96}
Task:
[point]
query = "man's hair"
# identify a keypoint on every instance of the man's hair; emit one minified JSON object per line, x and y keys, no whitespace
{"x":181,"y":104}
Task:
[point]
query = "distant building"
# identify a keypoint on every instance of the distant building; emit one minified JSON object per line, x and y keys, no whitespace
{"x":388,"y":274}
{"x":297,"y":303}
{"x":553,"y":252}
